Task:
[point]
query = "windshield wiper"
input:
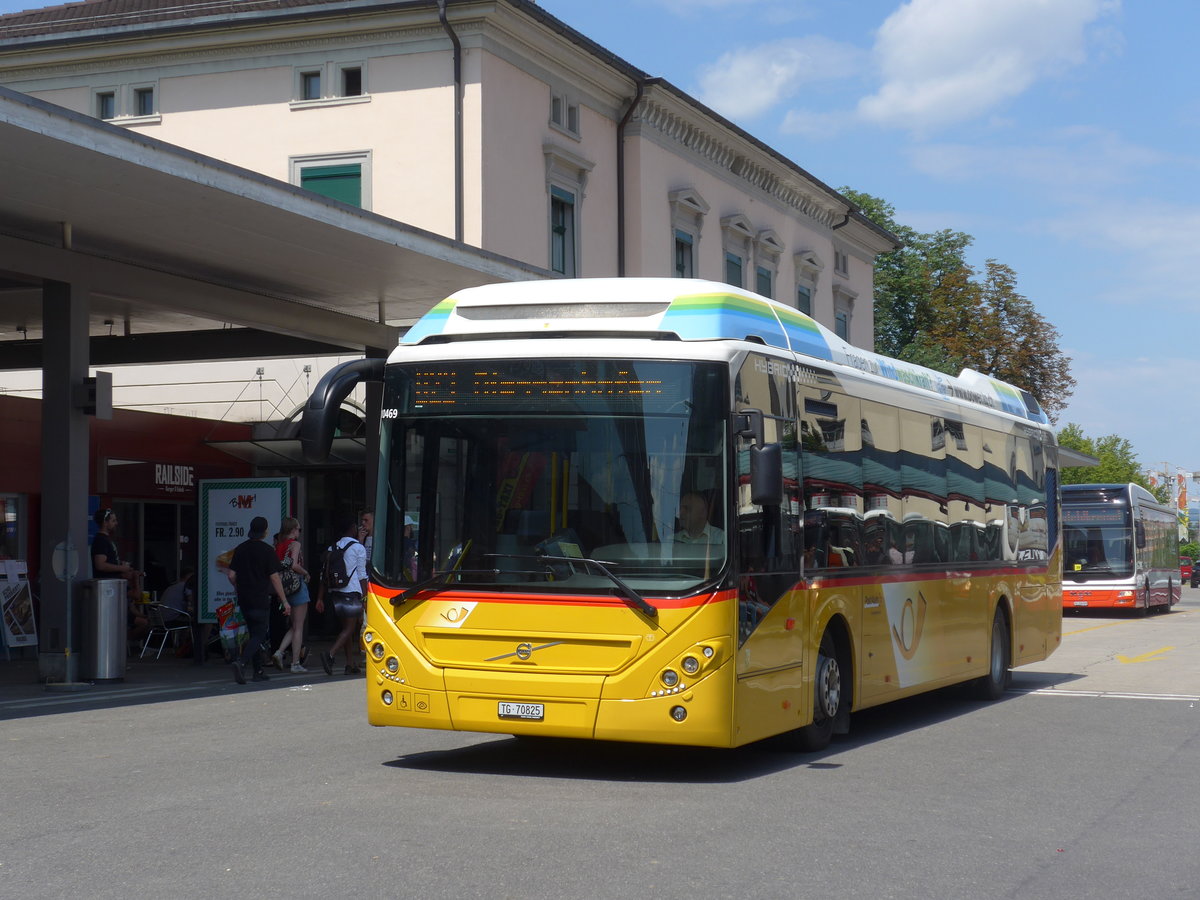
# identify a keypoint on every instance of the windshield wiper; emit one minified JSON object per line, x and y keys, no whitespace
{"x":600,"y":566}
{"x":622,"y":588}
{"x":438,"y":578}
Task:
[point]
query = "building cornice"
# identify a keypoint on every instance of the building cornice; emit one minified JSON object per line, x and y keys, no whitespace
{"x":706,"y":140}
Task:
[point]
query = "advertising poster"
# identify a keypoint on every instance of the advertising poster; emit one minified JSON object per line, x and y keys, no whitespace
{"x":16,"y":605}
{"x":226,"y":508}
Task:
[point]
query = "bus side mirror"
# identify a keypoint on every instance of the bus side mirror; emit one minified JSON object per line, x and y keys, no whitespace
{"x":766,"y":460}
{"x":766,"y":475}
{"x":1139,"y":531}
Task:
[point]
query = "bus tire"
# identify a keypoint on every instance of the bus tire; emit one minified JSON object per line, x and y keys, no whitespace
{"x":830,"y":700}
{"x":993,"y":685}
{"x":1144,"y":606}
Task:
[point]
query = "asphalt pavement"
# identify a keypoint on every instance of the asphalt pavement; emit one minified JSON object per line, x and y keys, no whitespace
{"x":145,"y":679}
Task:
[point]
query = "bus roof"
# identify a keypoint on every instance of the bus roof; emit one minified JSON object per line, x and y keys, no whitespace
{"x":687,"y":310}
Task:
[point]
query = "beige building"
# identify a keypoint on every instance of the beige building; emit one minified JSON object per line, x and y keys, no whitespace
{"x":488,"y":121}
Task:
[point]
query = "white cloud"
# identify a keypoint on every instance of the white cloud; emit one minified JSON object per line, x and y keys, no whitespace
{"x":789,"y":10}
{"x":1115,"y":399}
{"x":1150,"y":244}
{"x":944,"y":61}
{"x":748,"y":81}
{"x":1069,"y":159}
{"x":816,"y":125}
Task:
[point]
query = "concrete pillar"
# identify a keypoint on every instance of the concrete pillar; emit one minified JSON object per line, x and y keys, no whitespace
{"x":65,"y":553}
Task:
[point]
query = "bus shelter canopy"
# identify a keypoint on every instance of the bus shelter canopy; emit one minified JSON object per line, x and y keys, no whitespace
{"x":186,"y":257}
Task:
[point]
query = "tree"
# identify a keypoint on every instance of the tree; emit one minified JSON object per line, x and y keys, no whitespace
{"x":932,"y":309}
{"x":905,"y":278}
{"x":990,"y":327}
{"x":1118,"y":463}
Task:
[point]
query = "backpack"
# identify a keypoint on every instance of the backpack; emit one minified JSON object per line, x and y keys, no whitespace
{"x":334,"y":576}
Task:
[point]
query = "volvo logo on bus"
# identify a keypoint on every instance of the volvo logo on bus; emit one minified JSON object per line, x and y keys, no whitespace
{"x":523,"y":652}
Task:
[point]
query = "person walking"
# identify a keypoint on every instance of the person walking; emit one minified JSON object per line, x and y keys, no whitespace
{"x":291,"y":553}
{"x":254,"y":574}
{"x":347,"y":597}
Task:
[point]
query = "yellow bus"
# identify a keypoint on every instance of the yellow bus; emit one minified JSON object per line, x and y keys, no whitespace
{"x":673,"y":511}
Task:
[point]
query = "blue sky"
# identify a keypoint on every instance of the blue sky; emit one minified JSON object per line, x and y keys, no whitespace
{"x":1062,"y":134}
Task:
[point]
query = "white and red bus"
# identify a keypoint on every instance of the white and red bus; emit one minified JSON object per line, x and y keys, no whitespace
{"x":1121,"y":549}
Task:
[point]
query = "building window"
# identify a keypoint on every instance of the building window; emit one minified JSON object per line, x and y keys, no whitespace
{"x":566,"y":190}
{"x":352,"y":81}
{"x":336,"y":182}
{"x":762,"y":281}
{"x":841,"y":324}
{"x":684,"y":263}
{"x":841,"y":263}
{"x":106,"y":105}
{"x":339,"y":176}
{"x":737,"y":236}
{"x":687,"y":220}
{"x":808,"y":272}
{"x":804,"y":299}
{"x":843,"y":310}
{"x":768,"y":247}
{"x":562,"y":231}
{"x":310,"y":85}
{"x":143,"y":101}
{"x":733,"y":269}
{"x":564,"y":115}
{"x":329,"y":84}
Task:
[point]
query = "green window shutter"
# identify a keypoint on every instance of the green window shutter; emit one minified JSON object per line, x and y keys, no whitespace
{"x":336,"y":182}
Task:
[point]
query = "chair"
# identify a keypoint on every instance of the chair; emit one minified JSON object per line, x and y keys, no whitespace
{"x":161,"y":629}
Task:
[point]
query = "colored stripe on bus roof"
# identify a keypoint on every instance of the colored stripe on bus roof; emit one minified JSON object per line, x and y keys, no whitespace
{"x":713,"y":316}
{"x":1010,"y":399}
{"x":433,"y":322}
{"x":803,"y":333}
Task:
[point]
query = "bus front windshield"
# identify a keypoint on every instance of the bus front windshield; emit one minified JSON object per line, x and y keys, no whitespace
{"x":500,"y":473}
{"x":1098,"y":542}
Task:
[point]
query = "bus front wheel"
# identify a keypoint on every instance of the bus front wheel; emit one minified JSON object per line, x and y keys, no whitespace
{"x":992,"y":685}
{"x":829,"y":701}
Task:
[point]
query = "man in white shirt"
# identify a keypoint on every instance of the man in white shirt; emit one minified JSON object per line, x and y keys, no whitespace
{"x":347,"y":600}
{"x":694,"y":527}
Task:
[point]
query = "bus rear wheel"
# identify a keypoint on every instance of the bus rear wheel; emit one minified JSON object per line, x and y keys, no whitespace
{"x":828,"y":702}
{"x":993,"y":685}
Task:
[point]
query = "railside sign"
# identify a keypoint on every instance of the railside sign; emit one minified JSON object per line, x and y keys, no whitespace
{"x":227,"y":507}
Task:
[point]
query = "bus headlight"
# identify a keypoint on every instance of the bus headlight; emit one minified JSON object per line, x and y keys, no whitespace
{"x":387,"y":698}
{"x":670,"y":677}
{"x":392,"y":664}
{"x":377,"y":650}
{"x":368,"y":636}
{"x":678,"y":713}
{"x":690,"y":665}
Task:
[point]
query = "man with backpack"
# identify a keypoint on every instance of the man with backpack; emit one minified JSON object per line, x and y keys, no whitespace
{"x":344,"y":582}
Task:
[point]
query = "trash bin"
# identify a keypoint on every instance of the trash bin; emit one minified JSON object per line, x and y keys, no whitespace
{"x":104,"y":630}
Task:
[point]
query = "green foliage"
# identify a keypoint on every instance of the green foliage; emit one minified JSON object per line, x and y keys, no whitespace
{"x":1118,"y":462}
{"x":933,"y":309}
{"x":1190,"y":549}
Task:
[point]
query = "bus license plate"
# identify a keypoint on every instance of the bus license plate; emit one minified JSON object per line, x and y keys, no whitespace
{"x":533,"y":711}
{"x":1081,"y":603}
